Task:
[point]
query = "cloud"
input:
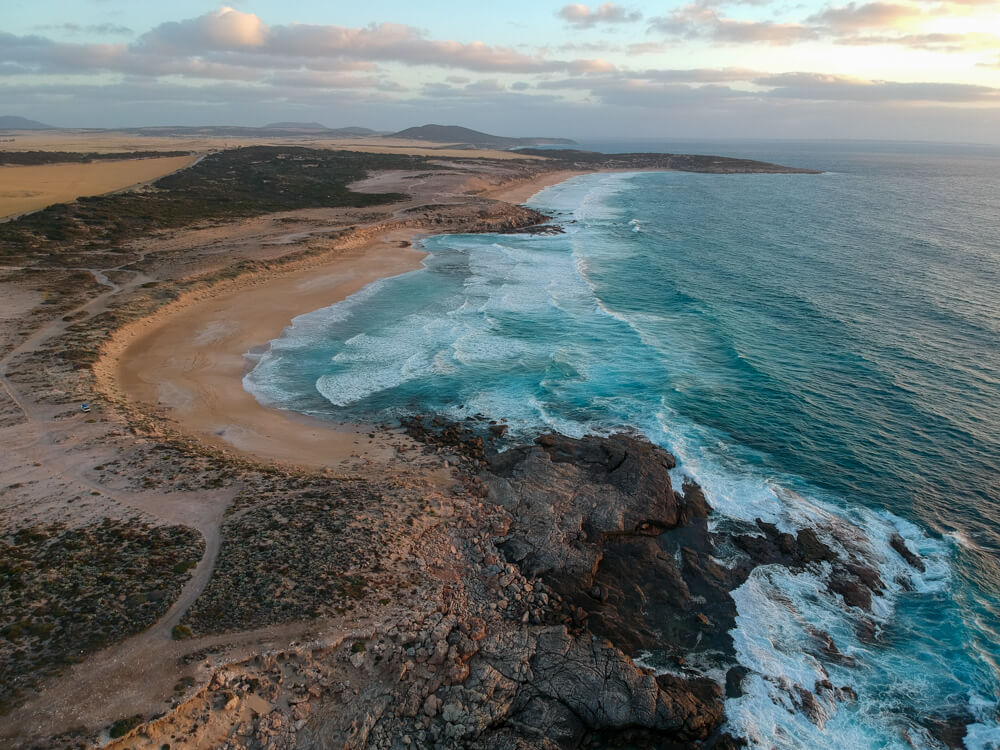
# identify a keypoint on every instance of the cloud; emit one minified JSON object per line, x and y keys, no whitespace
{"x":39,"y":53}
{"x":702,"y":75}
{"x":944,"y":4}
{"x":591,"y":66}
{"x":664,"y":96}
{"x":225,"y":29}
{"x":700,"y":20}
{"x":647,"y":48}
{"x":730,"y":30}
{"x":589,"y":47}
{"x":935,"y":42}
{"x":231,"y":45}
{"x":656,"y":88}
{"x":321,"y":80}
{"x":583,"y":17}
{"x":895,"y":24}
{"x":482,"y":93}
{"x":99,"y":28}
{"x":877,"y":15}
{"x":819,"y":87}
{"x":673,"y":76}
{"x":229,"y":30}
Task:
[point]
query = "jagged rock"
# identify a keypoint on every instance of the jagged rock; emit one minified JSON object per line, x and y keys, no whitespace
{"x":602,"y":687}
{"x":432,"y":705}
{"x":598,"y":520}
{"x":914,"y":561}
{"x":562,"y":492}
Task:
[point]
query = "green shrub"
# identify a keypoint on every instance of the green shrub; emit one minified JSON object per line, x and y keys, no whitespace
{"x":181,"y":633}
{"x":123,"y":726}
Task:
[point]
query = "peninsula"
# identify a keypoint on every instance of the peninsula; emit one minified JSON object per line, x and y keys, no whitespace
{"x":184,"y":567}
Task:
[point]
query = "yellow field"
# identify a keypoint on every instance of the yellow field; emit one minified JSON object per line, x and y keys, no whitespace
{"x":112,"y":142}
{"x":29,"y":188}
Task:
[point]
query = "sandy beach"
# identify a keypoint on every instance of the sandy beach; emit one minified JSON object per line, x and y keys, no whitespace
{"x":188,"y":360}
{"x":522,"y":191}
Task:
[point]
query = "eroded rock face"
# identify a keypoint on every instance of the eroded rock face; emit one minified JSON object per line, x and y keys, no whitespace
{"x":599,"y":521}
{"x":610,"y":556}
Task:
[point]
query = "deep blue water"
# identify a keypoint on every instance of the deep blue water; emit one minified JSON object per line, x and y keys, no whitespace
{"x":815,"y":349}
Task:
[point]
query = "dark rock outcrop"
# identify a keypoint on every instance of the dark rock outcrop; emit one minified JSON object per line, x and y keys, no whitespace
{"x":897,"y":543}
{"x":599,"y":521}
{"x":593,"y":559}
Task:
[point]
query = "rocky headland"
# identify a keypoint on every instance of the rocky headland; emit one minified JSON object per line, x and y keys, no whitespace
{"x":571,"y":598}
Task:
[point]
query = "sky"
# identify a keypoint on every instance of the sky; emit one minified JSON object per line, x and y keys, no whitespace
{"x":887,"y":69}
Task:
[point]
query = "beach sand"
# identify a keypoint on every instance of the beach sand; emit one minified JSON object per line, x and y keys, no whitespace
{"x":523,"y":190}
{"x":189,"y":358}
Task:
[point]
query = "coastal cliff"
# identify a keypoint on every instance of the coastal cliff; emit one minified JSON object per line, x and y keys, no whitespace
{"x":594,"y":559}
{"x":582,"y":602}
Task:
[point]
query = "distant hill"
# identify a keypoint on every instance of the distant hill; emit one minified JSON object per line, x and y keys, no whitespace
{"x":352,"y":130}
{"x":295,"y":126}
{"x":13,"y":122}
{"x":302,"y":129}
{"x":349,"y":131}
{"x":456,"y":134}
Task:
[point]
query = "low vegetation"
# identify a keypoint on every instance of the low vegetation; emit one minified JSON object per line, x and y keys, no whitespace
{"x":67,"y":592}
{"x":576,"y":159}
{"x":225,"y":185}
{"x":28,"y":158}
{"x":288,"y":560}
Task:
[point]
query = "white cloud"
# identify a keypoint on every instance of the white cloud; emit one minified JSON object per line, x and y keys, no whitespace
{"x":582,"y":16}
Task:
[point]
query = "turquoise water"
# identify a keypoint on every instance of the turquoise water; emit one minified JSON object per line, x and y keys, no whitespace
{"x":817,"y":350}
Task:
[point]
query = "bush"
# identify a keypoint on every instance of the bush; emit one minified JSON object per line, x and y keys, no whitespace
{"x":181,"y":633}
{"x":123,"y":726}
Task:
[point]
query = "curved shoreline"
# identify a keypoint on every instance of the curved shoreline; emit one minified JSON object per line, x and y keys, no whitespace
{"x":187,"y":359}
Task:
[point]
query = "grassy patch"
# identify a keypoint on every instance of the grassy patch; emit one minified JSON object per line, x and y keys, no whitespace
{"x":300,"y":555}
{"x":65,"y":593}
{"x":181,"y":633}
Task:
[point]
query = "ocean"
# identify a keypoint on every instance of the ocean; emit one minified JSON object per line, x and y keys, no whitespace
{"x":816,"y":350}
